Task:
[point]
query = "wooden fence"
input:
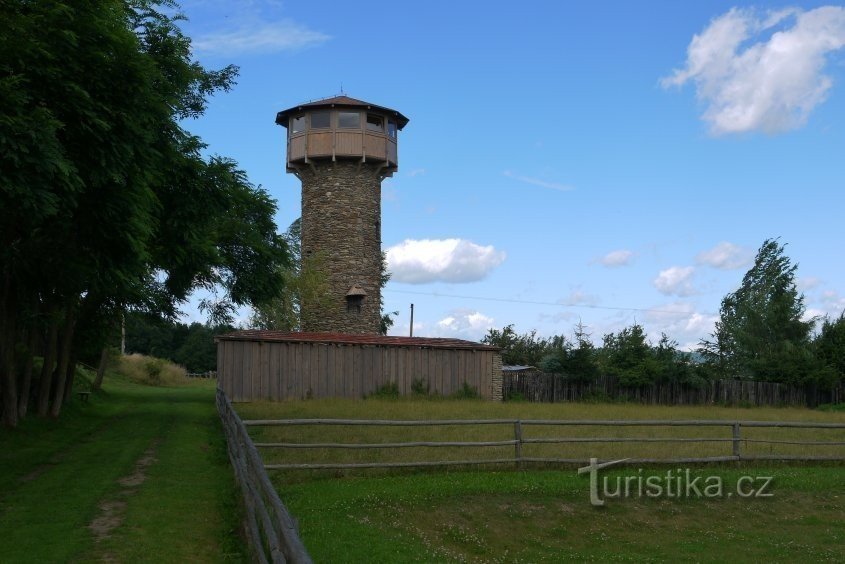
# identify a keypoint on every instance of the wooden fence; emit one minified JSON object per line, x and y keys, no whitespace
{"x":520,"y":440}
{"x":546,"y":387}
{"x":271,"y":531}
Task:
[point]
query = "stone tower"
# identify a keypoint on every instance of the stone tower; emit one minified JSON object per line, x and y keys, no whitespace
{"x":341,"y":149}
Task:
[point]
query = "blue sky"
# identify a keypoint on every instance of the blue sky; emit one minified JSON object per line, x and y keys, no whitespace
{"x":563,"y":161}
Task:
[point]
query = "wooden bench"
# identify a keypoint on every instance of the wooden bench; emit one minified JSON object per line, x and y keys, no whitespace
{"x":83,"y":396}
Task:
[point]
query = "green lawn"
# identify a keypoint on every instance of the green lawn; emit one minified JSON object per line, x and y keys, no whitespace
{"x":543,"y":514}
{"x":59,"y":477}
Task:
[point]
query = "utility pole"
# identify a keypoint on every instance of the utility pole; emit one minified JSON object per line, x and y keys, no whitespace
{"x":412,"y":320}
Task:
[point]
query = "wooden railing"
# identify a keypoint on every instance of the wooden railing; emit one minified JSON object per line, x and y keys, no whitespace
{"x":520,"y":440}
{"x":271,"y":531}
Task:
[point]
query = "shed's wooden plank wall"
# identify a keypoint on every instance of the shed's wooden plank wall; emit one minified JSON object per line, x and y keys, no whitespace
{"x":252,"y":370}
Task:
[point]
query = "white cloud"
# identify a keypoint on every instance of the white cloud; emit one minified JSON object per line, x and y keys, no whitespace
{"x":681,"y":322}
{"x":464,"y":323}
{"x":539,"y":182}
{"x":441,"y":260}
{"x":807,"y":283}
{"x":676,"y":280}
{"x":578,"y":297}
{"x":764,"y":72}
{"x":726,"y":256}
{"x":264,"y":37}
{"x":622,"y":257}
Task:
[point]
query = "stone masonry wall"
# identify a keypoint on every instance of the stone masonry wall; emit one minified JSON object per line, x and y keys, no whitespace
{"x":496,"y":392}
{"x":341,"y":222}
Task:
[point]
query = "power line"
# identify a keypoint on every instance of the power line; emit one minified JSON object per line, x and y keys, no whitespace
{"x":533,"y":302}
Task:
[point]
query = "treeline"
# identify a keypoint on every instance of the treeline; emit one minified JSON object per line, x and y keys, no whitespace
{"x":107,"y":204}
{"x":189,"y":345}
{"x":762,"y":335}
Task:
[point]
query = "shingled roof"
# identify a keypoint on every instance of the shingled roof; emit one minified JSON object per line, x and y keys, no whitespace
{"x":349,"y":339}
{"x":342,"y":101}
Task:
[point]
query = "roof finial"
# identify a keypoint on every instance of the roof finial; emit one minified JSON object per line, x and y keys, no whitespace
{"x":341,"y":88}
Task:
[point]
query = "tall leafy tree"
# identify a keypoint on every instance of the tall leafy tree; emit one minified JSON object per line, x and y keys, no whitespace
{"x":761,"y":333}
{"x":106,"y":202}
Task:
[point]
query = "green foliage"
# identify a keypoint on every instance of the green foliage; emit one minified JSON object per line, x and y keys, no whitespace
{"x":466,"y":392}
{"x":420,"y":387}
{"x":192,"y":345}
{"x":390,"y":390}
{"x":829,"y":347}
{"x":761,"y":334}
{"x":106,"y":201}
{"x":526,"y":349}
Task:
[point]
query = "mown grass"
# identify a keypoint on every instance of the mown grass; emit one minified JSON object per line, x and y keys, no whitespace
{"x":404,"y":409}
{"x":545,"y":516}
{"x":56,"y":475}
{"x":543,"y":513}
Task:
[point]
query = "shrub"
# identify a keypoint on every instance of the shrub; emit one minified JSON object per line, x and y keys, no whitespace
{"x":420,"y":387}
{"x":151,"y":371}
{"x":515,"y":396}
{"x":390,"y":390}
{"x":466,"y":392}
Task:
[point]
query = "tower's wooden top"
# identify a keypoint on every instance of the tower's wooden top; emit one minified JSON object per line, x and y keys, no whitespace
{"x":341,"y":101}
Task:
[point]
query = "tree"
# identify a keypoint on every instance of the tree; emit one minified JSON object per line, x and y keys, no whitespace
{"x":829,"y":347}
{"x":106,"y":202}
{"x":761,"y":333}
{"x":526,"y":349}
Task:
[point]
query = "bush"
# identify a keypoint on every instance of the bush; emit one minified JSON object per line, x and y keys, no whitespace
{"x":390,"y":390}
{"x":515,"y":396}
{"x":150,"y":371}
{"x":420,"y":387}
{"x":466,"y":392}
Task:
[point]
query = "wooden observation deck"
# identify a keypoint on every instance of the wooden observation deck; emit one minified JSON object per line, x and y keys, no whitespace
{"x":342,"y":128}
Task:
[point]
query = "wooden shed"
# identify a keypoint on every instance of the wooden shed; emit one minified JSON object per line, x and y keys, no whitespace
{"x":274,"y":365}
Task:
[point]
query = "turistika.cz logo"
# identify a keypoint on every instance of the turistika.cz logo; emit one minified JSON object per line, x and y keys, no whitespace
{"x":675,"y":483}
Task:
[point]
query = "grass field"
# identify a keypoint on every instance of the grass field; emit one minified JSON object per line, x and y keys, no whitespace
{"x":479,"y":409}
{"x":500,"y":514}
{"x":137,"y":473}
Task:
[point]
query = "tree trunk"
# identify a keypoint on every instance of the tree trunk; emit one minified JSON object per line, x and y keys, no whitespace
{"x":26,"y":377}
{"x":101,"y":369}
{"x":8,"y":378}
{"x":70,"y":374}
{"x":47,"y":369}
{"x":64,"y":361}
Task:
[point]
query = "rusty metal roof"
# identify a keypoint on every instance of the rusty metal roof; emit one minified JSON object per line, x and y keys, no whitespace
{"x":350,"y":339}
{"x":339,"y":102}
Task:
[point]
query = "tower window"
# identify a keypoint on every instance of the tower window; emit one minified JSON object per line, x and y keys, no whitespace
{"x":355,"y":298}
{"x":349,"y":120}
{"x":375,"y":123}
{"x":321,"y":120}
{"x":297,"y":124}
{"x":391,"y":128}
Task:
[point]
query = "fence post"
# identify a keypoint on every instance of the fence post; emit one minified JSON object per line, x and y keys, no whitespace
{"x":517,"y":435}
{"x":736,"y":438}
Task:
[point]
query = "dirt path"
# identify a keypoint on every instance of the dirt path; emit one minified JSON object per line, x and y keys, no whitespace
{"x":112,"y":510}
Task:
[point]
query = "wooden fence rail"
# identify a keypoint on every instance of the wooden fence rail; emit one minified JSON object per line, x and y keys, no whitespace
{"x":736,"y":440}
{"x":532,"y":385}
{"x":271,"y":530}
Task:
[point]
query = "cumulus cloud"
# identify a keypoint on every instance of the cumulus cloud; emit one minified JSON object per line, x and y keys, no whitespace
{"x":441,"y":260}
{"x":762,"y":72}
{"x":264,"y":37}
{"x":680,"y":321}
{"x":539,"y":182}
{"x":464,"y":322}
{"x":622,"y":257}
{"x":726,"y":256}
{"x":676,"y":281}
